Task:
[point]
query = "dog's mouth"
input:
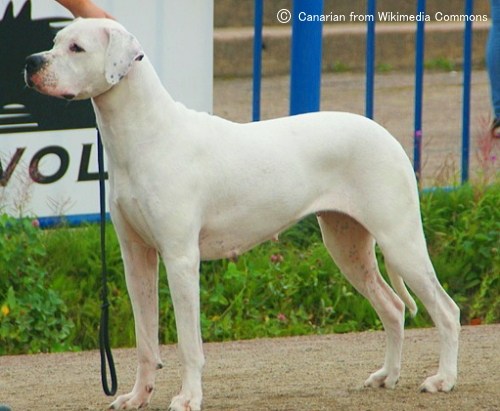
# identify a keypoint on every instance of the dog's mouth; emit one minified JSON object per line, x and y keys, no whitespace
{"x":41,"y":89}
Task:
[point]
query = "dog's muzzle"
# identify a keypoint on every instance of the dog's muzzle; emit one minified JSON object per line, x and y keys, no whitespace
{"x":33,"y":65}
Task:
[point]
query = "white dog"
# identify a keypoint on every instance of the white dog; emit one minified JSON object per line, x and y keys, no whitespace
{"x":189,"y":186}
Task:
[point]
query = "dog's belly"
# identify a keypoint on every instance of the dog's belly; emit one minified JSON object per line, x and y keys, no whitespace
{"x":242,"y":217}
{"x":215,"y":244}
{"x":237,"y":232}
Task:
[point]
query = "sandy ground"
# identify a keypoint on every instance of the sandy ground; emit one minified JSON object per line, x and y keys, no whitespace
{"x":298,"y":373}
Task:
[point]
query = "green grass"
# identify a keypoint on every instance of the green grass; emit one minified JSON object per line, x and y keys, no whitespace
{"x":290,"y":287}
{"x":440,"y":64}
{"x":384,"y":68}
{"x":340,"y":67}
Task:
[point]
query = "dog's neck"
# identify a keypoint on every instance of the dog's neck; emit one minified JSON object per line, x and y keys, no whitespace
{"x":134,"y":89}
{"x":123,"y":110}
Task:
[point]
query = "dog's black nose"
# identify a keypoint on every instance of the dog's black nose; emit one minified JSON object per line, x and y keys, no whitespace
{"x":34,"y":63}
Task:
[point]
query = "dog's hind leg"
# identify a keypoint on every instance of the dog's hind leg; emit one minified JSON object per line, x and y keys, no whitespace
{"x":352,"y":248}
{"x":405,"y":251}
{"x":141,"y":273}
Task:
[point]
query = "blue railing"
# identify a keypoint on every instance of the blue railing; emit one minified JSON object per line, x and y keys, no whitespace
{"x":257,"y":58}
{"x":306,"y":70}
{"x":419,"y":90}
{"x":370,"y":59}
{"x":305,"y":60}
{"x":469,"y":9}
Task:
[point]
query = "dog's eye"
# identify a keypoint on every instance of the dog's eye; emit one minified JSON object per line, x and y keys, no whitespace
{"x":75,"y":48}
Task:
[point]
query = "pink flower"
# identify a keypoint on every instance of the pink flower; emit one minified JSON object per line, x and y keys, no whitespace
{"x":35,"y":223}
{"x":282,"y":318}
{"x":276,"y":258}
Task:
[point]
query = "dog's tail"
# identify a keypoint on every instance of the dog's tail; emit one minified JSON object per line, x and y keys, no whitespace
{"x":401,"y":290}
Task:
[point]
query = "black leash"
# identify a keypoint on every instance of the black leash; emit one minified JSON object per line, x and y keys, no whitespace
{"x":104,"y":346}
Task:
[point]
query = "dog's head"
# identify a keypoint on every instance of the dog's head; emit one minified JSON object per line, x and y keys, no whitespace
{"x":88,"y":58}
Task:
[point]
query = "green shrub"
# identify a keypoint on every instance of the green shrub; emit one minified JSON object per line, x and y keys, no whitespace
{"x":73,"y":261}
{"x":290,"y":287}
{"x":33,"y":318}
{"x":463,"y":231}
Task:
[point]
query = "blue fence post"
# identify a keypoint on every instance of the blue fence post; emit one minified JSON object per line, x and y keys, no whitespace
{"x":371,"y":9}
{"x":469,"y":8}
{"x":305,"y":73}
{"x":419,"y":89}
{"x":257,"y":59}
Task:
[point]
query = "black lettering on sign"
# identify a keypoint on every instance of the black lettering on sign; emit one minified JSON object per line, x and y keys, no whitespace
{"x":5,"y":176}
{"x":83,"y":173}
{"x":35,"y":173}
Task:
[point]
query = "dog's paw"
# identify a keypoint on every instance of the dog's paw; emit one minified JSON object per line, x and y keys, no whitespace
{"x":382,"y":379}
{"x":132,"y":400}
{"x":182,"y":403}
{"x":438,"y":383}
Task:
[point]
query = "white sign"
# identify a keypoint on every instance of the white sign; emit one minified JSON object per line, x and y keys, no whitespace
{"x":48,"y":159}
{"x":50,"y":173}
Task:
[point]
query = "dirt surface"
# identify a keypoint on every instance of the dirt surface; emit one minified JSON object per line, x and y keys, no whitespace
{"x":298,"y":373}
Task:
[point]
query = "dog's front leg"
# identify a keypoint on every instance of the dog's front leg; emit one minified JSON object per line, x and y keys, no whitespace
{"x":183,"y":280}
{"x":141,"y":272}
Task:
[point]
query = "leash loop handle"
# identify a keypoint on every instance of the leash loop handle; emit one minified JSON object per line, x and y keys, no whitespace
{"x":104,"y":345}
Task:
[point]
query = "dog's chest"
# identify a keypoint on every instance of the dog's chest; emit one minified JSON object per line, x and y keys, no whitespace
{"x":133,"y":210}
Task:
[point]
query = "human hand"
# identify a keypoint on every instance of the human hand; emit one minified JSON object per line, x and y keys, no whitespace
{"x":84,"y":8}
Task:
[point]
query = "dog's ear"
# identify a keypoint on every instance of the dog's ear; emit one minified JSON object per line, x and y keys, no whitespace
{"x":123,"y":50}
